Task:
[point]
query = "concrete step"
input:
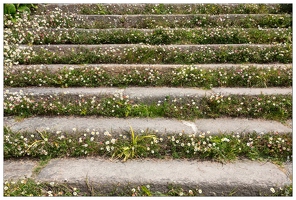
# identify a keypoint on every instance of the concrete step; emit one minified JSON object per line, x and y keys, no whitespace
{"x":145,"y":92}
{"x":117,"y":126}
{"x":239,"y":178}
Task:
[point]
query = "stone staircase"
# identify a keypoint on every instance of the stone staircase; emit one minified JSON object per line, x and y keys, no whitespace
{"x":89,"y":76}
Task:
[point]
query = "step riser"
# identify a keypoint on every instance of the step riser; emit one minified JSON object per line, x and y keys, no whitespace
{"x":138,"y":92}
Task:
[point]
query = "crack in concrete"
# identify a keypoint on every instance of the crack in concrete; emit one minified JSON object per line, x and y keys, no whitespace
{"x":191,"y":124}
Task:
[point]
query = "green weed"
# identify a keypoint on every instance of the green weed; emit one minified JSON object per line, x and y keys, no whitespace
{"x":201,"y":146}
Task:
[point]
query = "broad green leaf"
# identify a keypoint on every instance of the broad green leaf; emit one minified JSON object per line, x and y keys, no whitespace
{"x":9,"y":9}
{"x":23,"y":8}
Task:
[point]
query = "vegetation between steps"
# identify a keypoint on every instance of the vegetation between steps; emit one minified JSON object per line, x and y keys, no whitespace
{"x":274,"y":107}
{"x":29,"y":187}
{"x":223,"y":147}
{"x":31,"y":29}
{"x":164,"y":9}
{"x":189,"y":21}
{"x":59,"y":19}
{"x":186,"y":76}
{"x":160,"y":36}
{"x":202,"y":146}
{"x":143,"y":54}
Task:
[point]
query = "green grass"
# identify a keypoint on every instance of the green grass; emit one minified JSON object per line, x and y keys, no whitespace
{"x":121,"y":9}
{"x":187,"y":76}
{"x":223,"y":147}
{"x":35,"y":29}
{"x":162,"y":36}
{"x":159,"y":55}
{"x":29,"y":187}
{"x":189,"y":21}
{"x":64,"y":20}
{"x":147,"y":144}
{"x":274,"y":107}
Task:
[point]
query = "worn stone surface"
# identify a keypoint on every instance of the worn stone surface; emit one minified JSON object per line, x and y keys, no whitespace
{"x":253,"y":91}
{"x":221,"y":125}
{"x":148,"y":93}
{"x":112,"y":125}
{"x":162,"y":125}
{"x":35,"y":91}
{"x":163,"y":92}
{"x":244,"y":176}
{"x":18,"y":169}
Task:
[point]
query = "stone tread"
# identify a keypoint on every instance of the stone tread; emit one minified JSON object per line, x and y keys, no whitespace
{"x":244,"y":176}
{"x":119,"y":126}
{"x":147,"y":92}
